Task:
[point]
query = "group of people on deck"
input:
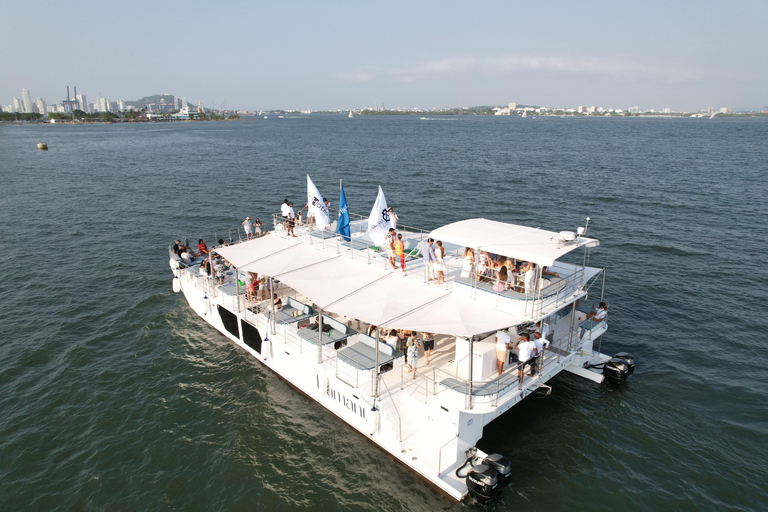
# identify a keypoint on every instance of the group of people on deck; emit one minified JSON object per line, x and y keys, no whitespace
{"x":252,"y":228}
{"x":505,"y":273}
{"x":434,"y":259}
{"x":407,"y":342}
{"x":291,"y":218}
{"x":529,"y":348}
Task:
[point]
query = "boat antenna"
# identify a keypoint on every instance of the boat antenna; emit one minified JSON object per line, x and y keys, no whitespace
{"x":582,"y":231}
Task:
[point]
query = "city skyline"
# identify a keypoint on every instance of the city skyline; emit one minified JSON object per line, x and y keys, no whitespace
{"x":680,"y":56}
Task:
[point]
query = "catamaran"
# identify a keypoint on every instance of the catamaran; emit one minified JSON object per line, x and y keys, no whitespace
{"x":315,"y":308}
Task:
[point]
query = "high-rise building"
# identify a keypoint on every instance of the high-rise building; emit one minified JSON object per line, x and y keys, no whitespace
{"x":120,"y":106}
{"x":26,"y":101}
{"x":42,"y":107}
{"x":513,"y":106}
{"x":184,"y":103}
{"x":200,"y":108}
{"x":102,"y":104}
{"x":17,"y":105}
{"x":82,"y":103}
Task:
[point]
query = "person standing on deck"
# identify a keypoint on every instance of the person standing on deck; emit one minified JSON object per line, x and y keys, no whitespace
{"x":429,"y":344}
{"x":502,"y":349}
{"x":393,"y":218}
{"x":284,"y":211}
{"x":429,"y":259}
{"x":291,"y":221}
{"x":440,"y":262}
{"x":527,"y":351}
{"x":390,"y":241}
{"x":529,"y":269}
{"x":541,"y":344}
{"x":400,"y":251}
{"x":248,"y":228}
{"x":412,"y":352}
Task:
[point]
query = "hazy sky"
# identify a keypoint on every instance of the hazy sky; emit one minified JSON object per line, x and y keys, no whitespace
{"x":329,"y":54}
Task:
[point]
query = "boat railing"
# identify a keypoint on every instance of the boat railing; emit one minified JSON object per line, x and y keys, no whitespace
{"x":388,"y":394}
{"x":439,"y":380}
{"x":358,"y":243}
{"x":554,"y":295}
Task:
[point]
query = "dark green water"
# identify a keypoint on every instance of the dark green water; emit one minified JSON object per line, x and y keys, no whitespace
{"x":114,"y":396}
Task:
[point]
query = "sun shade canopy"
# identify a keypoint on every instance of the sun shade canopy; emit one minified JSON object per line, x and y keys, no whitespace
{"x":511,"y":240}
{"x":357,"y":290}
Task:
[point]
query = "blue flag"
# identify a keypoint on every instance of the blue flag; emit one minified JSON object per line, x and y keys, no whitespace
{"x":342,"y":226}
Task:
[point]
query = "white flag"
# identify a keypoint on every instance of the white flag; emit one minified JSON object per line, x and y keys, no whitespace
{"x":316,"y":205}
{"x":378,"y":222}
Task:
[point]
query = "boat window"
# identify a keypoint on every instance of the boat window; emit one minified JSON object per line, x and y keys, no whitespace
{"x":230,"y":321}
{"x":251,"y":336}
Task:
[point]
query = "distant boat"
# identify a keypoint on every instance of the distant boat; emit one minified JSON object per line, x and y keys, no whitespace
{"x":41,"y":145}
{"x":712,"y":116}
{"x":265,"y":117}
{"x":350,"y":114}
{"x":525,"y":113}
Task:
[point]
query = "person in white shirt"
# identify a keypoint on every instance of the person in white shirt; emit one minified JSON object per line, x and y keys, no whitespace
{"x":526,"y":351}
{"x":390,"y":241}
{"x":291,"y":220}
{"x":502,"y":349}
{"x":393,"y":218}
{"x":541,"y":344}
{"x":593,"y":316}
{"x":284,"y":209}
{"x":248,"y":229}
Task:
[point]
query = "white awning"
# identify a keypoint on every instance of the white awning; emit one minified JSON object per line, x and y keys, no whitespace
{"x":358,"y":290}
{"x":511,"y":240}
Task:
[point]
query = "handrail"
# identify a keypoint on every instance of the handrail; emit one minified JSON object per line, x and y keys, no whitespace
{"x":440,"y":455}
{"x":399,"y":422}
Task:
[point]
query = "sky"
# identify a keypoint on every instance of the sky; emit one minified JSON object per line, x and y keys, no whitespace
{"x":334,"y":54}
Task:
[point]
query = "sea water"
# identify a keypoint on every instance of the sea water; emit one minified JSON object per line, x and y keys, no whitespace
{"x":115,"y":396}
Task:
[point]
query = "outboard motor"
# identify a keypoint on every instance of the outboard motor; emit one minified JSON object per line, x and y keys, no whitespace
{"x":630,"y":359}
{"x":502,"y":465}
{"x":616,"y":371}
{"x":483,"y":482}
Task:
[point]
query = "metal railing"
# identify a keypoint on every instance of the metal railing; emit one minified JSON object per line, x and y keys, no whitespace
{"x":399,"y":421}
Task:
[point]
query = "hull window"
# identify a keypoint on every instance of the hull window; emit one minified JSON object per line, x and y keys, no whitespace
{"x":251,"y":336}
{"x":230,"y":322}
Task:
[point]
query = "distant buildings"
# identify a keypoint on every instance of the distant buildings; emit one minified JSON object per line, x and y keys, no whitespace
{"x":42,"y":106}
{"x":26,"y":101}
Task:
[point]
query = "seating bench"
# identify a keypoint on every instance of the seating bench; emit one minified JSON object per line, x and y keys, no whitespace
{"x":338,"y":333}
{"x":484,"y":389}
{"x":362,"y":356}
{"x":284,"y":315}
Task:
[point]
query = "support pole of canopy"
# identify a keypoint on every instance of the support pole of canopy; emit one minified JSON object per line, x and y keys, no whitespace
{"x":602,"y":288}
{"x":376,"y":373}
{"x":471,"y":362}
{"x":272,"y":301}
{"x":237,"y":286}
{"x":320,"y":337}
{"x":573,"y":319}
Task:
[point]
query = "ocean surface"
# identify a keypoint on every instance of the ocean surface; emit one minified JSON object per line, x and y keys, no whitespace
{"x":115,"y":396}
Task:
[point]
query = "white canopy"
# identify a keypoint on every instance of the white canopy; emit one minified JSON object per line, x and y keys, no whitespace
{"x":357,"y":290}
{"x":511,"y":240}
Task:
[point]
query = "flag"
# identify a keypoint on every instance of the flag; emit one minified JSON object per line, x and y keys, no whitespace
{"x":342,"y":224}
{"x":378,"y":222}
{"x":316,"y":205}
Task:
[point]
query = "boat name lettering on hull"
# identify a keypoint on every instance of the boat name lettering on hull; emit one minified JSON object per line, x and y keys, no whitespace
{"x":343,"y":400}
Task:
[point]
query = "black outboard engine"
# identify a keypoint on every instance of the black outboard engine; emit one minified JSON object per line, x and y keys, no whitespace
{"x":616,"y":371}
{"x":483,"y":482}
{"x":630,"y":359}
{"x":502,"y":465}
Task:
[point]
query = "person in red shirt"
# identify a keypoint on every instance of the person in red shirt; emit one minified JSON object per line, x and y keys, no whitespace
{"x":202,"y":248}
